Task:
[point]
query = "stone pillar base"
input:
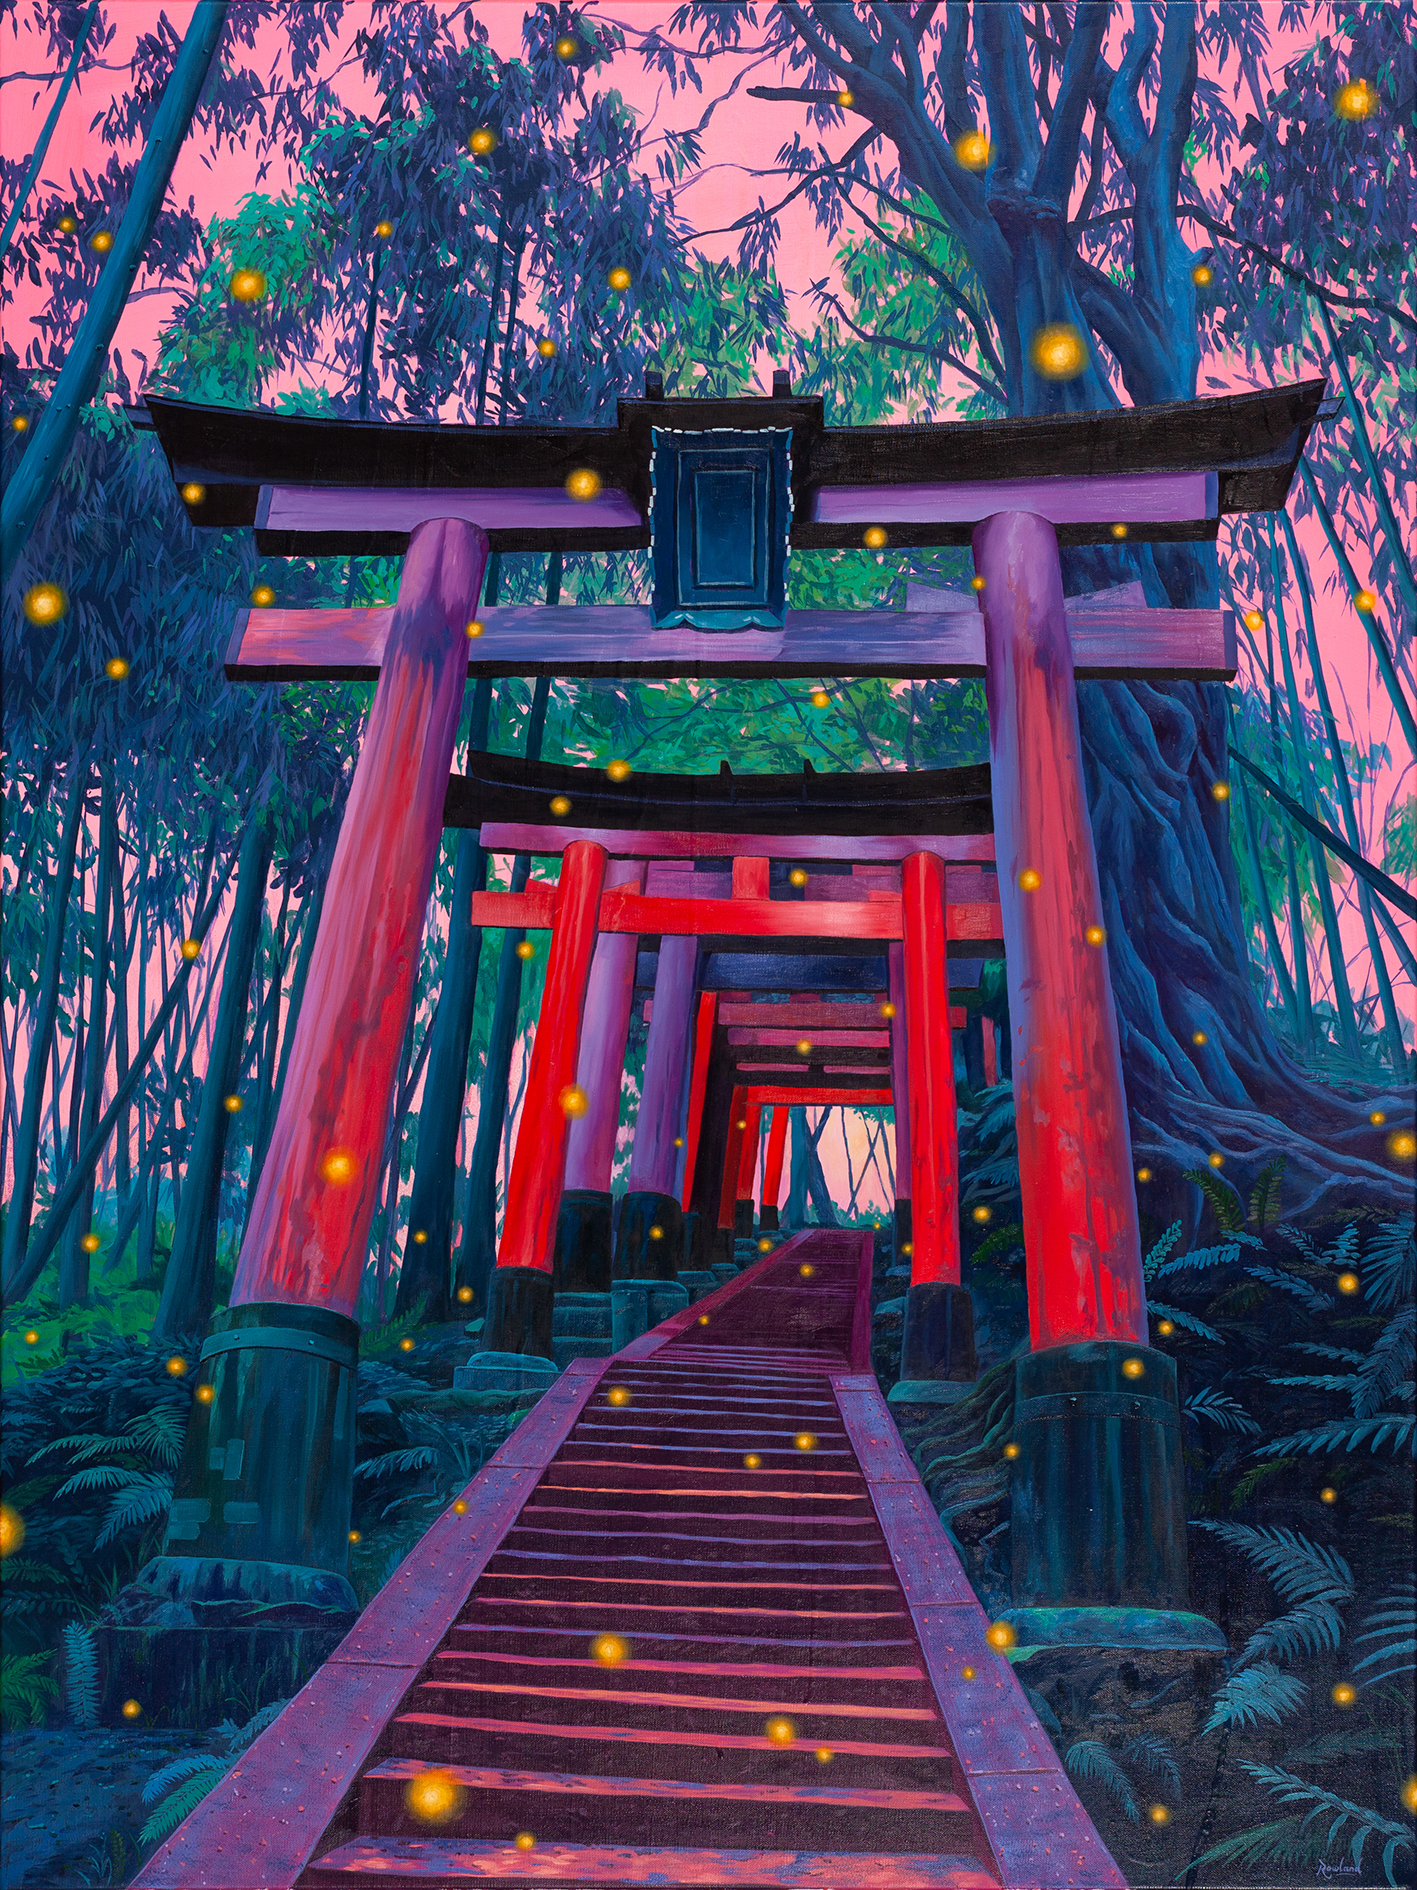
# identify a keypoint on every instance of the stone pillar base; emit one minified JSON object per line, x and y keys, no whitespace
{"x":767,"y":1218}
{"x":742,"y":1220}
{"x":1098,"y":1487}
{"x":507,"y":1373}
{"x":637,"y":1306}
{"x":938,"y":1340}
{"x":640,"y":1253}
{"x":1113,"y":1627}
{"x":519,"y":1302}
{"x":583,"y":1241}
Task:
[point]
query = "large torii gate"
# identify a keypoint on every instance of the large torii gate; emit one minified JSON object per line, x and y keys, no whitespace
{"x":717,"y":491}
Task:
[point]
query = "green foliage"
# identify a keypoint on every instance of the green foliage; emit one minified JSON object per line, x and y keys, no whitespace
{"x":1259,"y":1694}
{"x":177,"y":1788}
{"x":1284,"y":1842}
{"x":1290,"y":1789}
{"x":1090,"y":1759}
{"x":1265,"y":1194}
{"x":1160,"y":1252}
{"x":1215,"y":1407}
{"x":1393,"y":1624}
{"x":26,"y":1690}
{"x":1226,"y":1204}
{"x":80,"y":1675}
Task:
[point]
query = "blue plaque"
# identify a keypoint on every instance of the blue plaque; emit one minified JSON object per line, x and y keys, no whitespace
{"x":720,"y":512}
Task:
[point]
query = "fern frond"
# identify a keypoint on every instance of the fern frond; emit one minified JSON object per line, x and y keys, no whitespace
{"x":84,"y":1444}
{"x":1338,"y":1352}
{"x":1315,"y":1381}
{"x":1186,"y":1321}
{"x":98,"y":1476}
{"x":1393,"y":1622}
{"x":1346,"y":1745}
{"x":258,"y":1722}
{"x":80,"y":1675}
{"x":1219,"y":1409}
{"x":998,"y":1117}
{"x":1229,"y":1208}
{"x":1345,"y":1436}
{"x":1315,"y":1626}
{"x":1261,"y":1692}
{"x":1154,"y":1755}
{"x":1266,"y":1189}
{"x":143,"y":1501}
{"x":1390,"y":1266}
{"x":1089,"y":1759}
{"x":186,"y":1765}
{"x":25,"y":1689}
{"x":1298,"y":1569}
{"x":1291,"y":1790}
{"x":394,"y":1461}
{"x":160,"y":1432}
{"x":1308,"y":1296}
{"x":1200,"y":1260}
{"x":1282,"y":1842}
{"x":1161,"y":1251}
{"x":1387,"y":1365}
{"x":183,"y":1801}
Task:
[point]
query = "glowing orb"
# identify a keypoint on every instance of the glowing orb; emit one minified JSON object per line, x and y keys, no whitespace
{"x":465,"y":1295}
{"x":383,"y":227}
{"x":1217,"y":1160}
{"x":824,"y":1755}
{"x":177,"y":1365}
{"x":888,"y":1010}
{"x":619,"y":280}
{"x":656,"y":1233}
{"x":752,"y":1461}
{"x":132,"y":1709}
{"x":1001,"y":1635}
{"x":1355,"y":100}
{"x":560,"y":804}
{"x":1159,"y":1815}
{"x":205,"y":1393}
{"x":907,"y":1246}
{"x":546,"y":347}
{"x":1132,"y":1368}
{"x":232,"y":1105}
{"x":1403,"y":1145}
{"x":1030,"y":879}
{"x":419,"y":1238}
{"x":1095,"y":935}
{"x":976,"y":584}
{"x":618,"y":770}
{"x":12,"y":1530}
{"x":1202,"y":275}
{"x":764,"y":1246}
{"x":1409,"y":1793}
{"x":405,"y":1345}
{"x":460,"y":1508}
{"x":1377,"y":1118}
{"x":475,"y":630}
{"x":1199,"y":1036}
{"x":191,"y":949}
{"x":31,"y":1337}
{"x":338,"y":1166}
{"x":524,"y":1841}
{"x":1254,"y":620}
{"x":609,"y":1649}
{"x":820,"y":699}
{"x":678,"y":1141}
{"x":1220,"y":791}
{"x":797,"y":877}
{"x":355,"y":1536}
{"x":90,"y":1243}
{"x":1344,"y":1694}
{"x":1143,"y":1174}
{"x":804,"y":1046}
{"x":780,"y":1731}
{"x":805,"y":1440}
{"x":573,"y":1100}
{"x":567,"y":48}
{"x":1011,"y":1451}
{"x":703,"y":1318}
{"x":740,"y":1125}
{"x":583,"y":484}
{"x":619,"y":1394}
{"x":483,"y":140}
{"x":874,"y":537}
{"x":433,"y":1797}
{"x":45,"y":603}
{"x":1328,"y":1494}
{"x":101,"y":242}
{"x":263,"y":596}
{"x":1347,"y":1282}
{"x":68,"y":225}
{"x":982,"y":1214}
{"x":971,"y":149}
{"x":116,"y":668}
{"x":966,"y":1673}
{"x":526,"y":949}
{"x":1119,"y":531}
{"x":806,"y":1269}
{"x":1165,"y":1327}
{"x":20,"y":423}
{"x":1365,"y":600}
{"x":846,"y":100}
{"x":247,"y":285}
{"x":1059,"y":352}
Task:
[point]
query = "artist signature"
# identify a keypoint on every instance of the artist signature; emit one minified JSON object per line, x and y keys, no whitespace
{"x":1337,"y":1870}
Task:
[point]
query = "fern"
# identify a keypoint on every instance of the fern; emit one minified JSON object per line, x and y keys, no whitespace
{"x":1266,"y":1190}
{"x":1200,"y":1260}
{"x":1387,"y":1365}
{"x":1326,"y":1351}
{"x":1154,"y":1755}
{"x":183,"y":1801}
{"x":1315,"y":1381}
{"x":184,"y":1782}
{"x":1309,"y":1297}
{"x":25,"y":1689}
{"x":80,"y":1675}
{"x":1229,"y":1208}
{"x":1261,"y":1692}
{"x":394,"y":1461}
{"x":1298,"y":1569}
{"x":1314,"y":1627}
{"x":1002,"y":1242}
{"x":176,"y":1771}
{"x":144,"y":1500}
{"x":1220,"y":1410}
{"x":1390,"y":1266}
{"x":1161,"y":1251}
{"x":1290,"y":1790}
{"x":1394,"y":1616}
{"x":1091,"y":1760}
{"x":98,"y":1476}
{"x":1186,"y":1321}
{"x":1281,"y":1843}
{"x":1343,"y":1435}
{"x":1346,"y":1745}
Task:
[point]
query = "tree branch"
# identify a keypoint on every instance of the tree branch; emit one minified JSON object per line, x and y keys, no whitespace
{"x":992,"y":388}
{"x":942,"y":282}
{"x":1217,"y":228}
{"x":1058,"y":168}
{"x":1008,"y":91}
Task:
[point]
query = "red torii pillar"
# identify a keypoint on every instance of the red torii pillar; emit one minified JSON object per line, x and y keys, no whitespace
{"x":772,"y":1167}
{"x":732,"y":1155}
{"x":900,"y":1090}
{"x":266,"y":1473}
{"x":747,"y":1169}
{"x":1098,"y":1483}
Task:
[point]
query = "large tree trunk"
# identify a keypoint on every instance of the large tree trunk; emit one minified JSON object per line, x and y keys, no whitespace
{"x":74,"y":1258}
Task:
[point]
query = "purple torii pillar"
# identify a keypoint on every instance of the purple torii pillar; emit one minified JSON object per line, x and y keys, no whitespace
{"x":583,"y":1228}
{"x":651,"y":1201}
{"x":900,"y":1091}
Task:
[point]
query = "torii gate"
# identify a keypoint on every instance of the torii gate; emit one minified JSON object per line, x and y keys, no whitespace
{"x":717,"y":490}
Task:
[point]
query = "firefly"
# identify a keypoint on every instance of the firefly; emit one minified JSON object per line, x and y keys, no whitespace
{"x":1365,"y":600}
{"x":618,"y":770}
{"x":1409,"y":1793}
{"x":1202,"y":275}
{"x":1199,"y":1036}
{"x":573,"y":1100}
{"x":526,"y":949}
{"x":116,"y":668}
{"x":1000,"y":1636}
{"x":465,"y":1295}
{"x":1354,"y":100}
{"x":1119,"y":531}
{"x":1165,"y":1327}
{"x":383,"y":227}
{"x":45,"y":603}
{"x":805,"y":1440}
{"x":191,"y":949}
{"x":1328,"y":1494}
{"x":247,"y":285}
{"x":560,"y":804}
{"x":193,"y":494}
{"x":966,"y":1673}
{"x":419,"y":1238}
{"x":656,"y":1233}
{"x":740,"y":1125}
{"x":1403,"y":1145}
{"x":976,"y":583}
{"x":619,"y":280}
{"x":764,"y":1246}
{"x":846,"y":100}
{"x":797,"y":877}
{"x":1254,"y":620}
{"x":804,"y":1045}
{"x":824,"y":1755}
{"x":205,"y":1393}
{"x":12,"y":1530}
{"x":101,"y":242}
{"x":405,"y":1345}
{"x":678,"y":1143}
{"x":971,"y":151}
{"x":1011,"y":1451}
{"x":982,"y":1214}
{"x":1030,"y":879}
{"x":583,"y":484}
{"x":1059,"y":352}
{"x":1160,"y":1815}
{"x":338,"y":1166}
{"x":907,"y":1246}
{"x":132,"y":1709}
{"x":177,"y":1365}
{"x":433,"y":1797}
{"x":460,"y":1508}
{"x":475,"y":630}
{"x":90,"y":1243}
{"x":1348,"y":1282}
{"x":888,"y":1010}
{"x":68,"y":225}
{"x":1344,"y":1694}
{"x":524,"y":1841}
{"x":874,"y":537}
{"x":780,"y":1731}
{"x":1217,"y":1160}
{"x":355,"y":1536}
{"x":806,"y":1269}
{"x":1143,"y":1174}
{"x":263,"y":596}
{"x":20,"y":423}
{"x":820,"y":699}
{"x":618,"y":1394}
{"x":703,"y":1318}
{"x":566,"y":49}
{"x":1095,"y":935}
{"x":1220,"y":791}
{"x":31,"y":1337}
{"x":483,"y":140}
{"x":609,"y":1649}
{"x":752,"y":1461}
{"x":1132,"y":1368}
{"x":1377,"y":1118}
{"x":232,"y":1105}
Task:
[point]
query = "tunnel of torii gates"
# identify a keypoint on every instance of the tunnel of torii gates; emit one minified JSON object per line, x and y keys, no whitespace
{"x":929,"y":868}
